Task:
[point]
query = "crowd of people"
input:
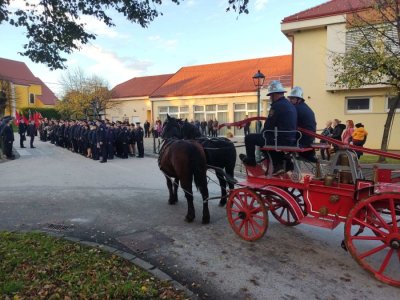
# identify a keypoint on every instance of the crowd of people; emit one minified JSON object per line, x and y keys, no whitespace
{"x":97,"y":140}
{"x":349,"y":134}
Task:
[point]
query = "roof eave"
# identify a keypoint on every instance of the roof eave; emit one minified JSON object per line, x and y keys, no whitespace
{"x":288,"y":28}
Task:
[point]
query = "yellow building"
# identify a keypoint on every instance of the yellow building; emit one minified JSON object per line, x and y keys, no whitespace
{"x":220,"y":91}
{"x":315,"y":34}
{"x":22,"y":88}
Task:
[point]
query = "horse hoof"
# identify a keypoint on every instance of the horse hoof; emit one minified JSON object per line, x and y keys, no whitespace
{"x":189,"y":219}
{"x":171,"y":202}
{"x":222,"y":204}
{"x":205,"y":221}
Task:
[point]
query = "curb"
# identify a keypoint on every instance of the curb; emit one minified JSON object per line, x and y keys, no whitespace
{"x":153,"y":270}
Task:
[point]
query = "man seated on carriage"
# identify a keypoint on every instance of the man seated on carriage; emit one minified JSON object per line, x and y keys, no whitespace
{"x":283,"y":116}
{"x":305,"y":120}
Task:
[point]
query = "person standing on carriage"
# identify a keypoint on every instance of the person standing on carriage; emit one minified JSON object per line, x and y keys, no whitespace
{"x":139,"y":140}
{"x":22,"y":127}
{"x":283,"y":116}
{"x":305,"y":120}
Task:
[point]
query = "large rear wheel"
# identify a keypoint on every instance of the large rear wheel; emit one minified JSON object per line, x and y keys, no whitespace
{"x":247,"y":214}
{"x":372,"y":236}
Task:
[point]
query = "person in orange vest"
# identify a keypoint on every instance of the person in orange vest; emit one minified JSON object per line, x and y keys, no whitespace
{"x":359,"y":137}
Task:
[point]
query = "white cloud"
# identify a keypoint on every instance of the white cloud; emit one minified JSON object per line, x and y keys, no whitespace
{"x":260,"y":4}
{"x":163,"y":43}
{"x":190,"y":3}
{"x":110,"y":66}
{"x":99,"y":28}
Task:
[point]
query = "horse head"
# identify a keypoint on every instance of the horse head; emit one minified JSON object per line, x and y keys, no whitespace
{"x":172,"y":128}
{"x":189,"y":131}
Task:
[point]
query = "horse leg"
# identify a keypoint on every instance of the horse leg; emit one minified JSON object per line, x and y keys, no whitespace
{"x":204,"y":194}
{"x":222,"y":184}
{"x":172,"y":197}
{"x":176,"y":186}
{"x":187,"y":188}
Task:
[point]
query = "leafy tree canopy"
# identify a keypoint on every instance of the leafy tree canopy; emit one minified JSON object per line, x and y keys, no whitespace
{"x":53,"y":27}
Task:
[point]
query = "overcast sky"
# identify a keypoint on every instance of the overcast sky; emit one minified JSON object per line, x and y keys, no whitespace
{"x":195,"y":32}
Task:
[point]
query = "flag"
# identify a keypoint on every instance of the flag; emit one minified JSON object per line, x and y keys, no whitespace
{"x":30,"y":117}
{"x":17,"y":117}
{"x":25,"y":119}
{"x":36,"y":118}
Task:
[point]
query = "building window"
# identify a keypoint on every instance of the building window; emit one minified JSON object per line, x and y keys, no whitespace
{"x":173,"y":111}
{"x":240,"y":112}
{"x":390,"y":101}
{"x":31,"y":98}
{"x":198,"y":108}
{"x":358,"y":105}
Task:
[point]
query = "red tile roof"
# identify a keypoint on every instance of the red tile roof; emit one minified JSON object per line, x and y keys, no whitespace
{"x":330,"y":8}
{"x":139,"y":86}
{"x":17,"y":72}
{"x":227,"y":77}
{"x":47,"y":97}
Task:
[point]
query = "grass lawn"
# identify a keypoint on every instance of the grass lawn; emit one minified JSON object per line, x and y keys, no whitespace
{"x":372,"y":159}
{"x":37,"y":266}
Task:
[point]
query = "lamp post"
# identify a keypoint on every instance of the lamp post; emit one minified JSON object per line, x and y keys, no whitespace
{"x":258,"y":80}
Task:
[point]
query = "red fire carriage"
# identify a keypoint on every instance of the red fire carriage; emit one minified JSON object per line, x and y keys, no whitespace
{"x":324,"y":196}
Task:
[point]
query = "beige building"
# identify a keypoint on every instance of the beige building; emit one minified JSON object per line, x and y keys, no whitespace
{"x":131,"y":99}
{"x":315,"y":34}
{"x":220,"y":91}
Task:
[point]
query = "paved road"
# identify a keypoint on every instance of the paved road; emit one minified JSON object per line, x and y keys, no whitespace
{"x":124,"y":204}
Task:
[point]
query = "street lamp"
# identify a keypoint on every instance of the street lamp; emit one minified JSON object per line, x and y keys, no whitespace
{"x":258,"y":80}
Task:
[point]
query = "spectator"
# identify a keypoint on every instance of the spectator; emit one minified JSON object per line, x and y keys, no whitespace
{"x":146,"y":127}
{"x":246,"y":127}
{"x":338,"y":129}
{"x":327,"y":131}
{"x":210,"y":127}
{"x":203,"y":126}
{"x":347,"y":133}
{"x":359,"y":137}
{"x":215,"y":128}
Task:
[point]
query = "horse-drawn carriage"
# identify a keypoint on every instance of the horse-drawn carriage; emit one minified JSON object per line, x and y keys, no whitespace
{"x":326,"y":196}
{"x":311,"y":193}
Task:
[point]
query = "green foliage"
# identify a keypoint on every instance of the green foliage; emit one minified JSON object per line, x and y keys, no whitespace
{"x":49,"y":113}
{"x":53,"y":28}
{"x":36,"y":266}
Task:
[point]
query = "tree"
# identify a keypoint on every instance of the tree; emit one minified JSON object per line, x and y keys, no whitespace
{"x":5,"y":96}
{"x":53,"y":27}
{"x":373,"y":58}
{"x":84,"y":96}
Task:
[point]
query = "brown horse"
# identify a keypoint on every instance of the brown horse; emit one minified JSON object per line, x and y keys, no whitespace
{"x":184,"y":161}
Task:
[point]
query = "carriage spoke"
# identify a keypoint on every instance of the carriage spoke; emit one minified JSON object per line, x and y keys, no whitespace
{"x":252,"y":202}
{"x":257,"y":225}
{"x":246,"y":228}
{"x":288,"y":214}
{"x":256,"y":210}
{"x":252,"y":228}
{"x":238,"y":205}
{"x":393,"y":213}
{"x":282,"y":212}
{"x":381,"y":233}
{"x":236,"y":210}
{"x":373,"y":251}
{"x":235,"y":219}
{"x":241,"y":225}
{"x":383,"y":222}
{"x":258,"y":217}
{"x":385,"y":261}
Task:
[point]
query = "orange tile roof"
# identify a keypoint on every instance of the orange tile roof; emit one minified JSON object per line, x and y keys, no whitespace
{"x":139,"y":86}
{"x":17,"y":72}
{"x":330,"y":8}
{"x":227,"y":77}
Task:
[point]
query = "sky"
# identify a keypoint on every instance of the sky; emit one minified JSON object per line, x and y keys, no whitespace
{"x":195,"y":32}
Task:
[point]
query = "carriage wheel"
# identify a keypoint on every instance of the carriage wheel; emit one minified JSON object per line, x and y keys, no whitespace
{"x":281,"y":210}
{"x":372,"y":235}
{"x":247,"y":214}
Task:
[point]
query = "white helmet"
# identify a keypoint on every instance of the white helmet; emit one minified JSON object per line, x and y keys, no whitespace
{"x":296,"y":92}
{"x":275,"y":86}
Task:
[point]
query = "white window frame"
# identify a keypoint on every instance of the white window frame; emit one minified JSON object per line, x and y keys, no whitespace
{"x":358,"y":111}
{"x":184,"y":109}
{"x":246,"y":110}
{"x":387,"y":104}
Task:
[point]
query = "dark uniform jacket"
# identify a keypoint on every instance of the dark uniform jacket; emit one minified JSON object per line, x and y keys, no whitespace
{"x":31,"y":131}
{"x":8,"y":135}
{"x":306,"y":120}
{"x":282,"y":115}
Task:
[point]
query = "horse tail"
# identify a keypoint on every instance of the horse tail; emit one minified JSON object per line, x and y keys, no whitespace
{"x":199,"y":168}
